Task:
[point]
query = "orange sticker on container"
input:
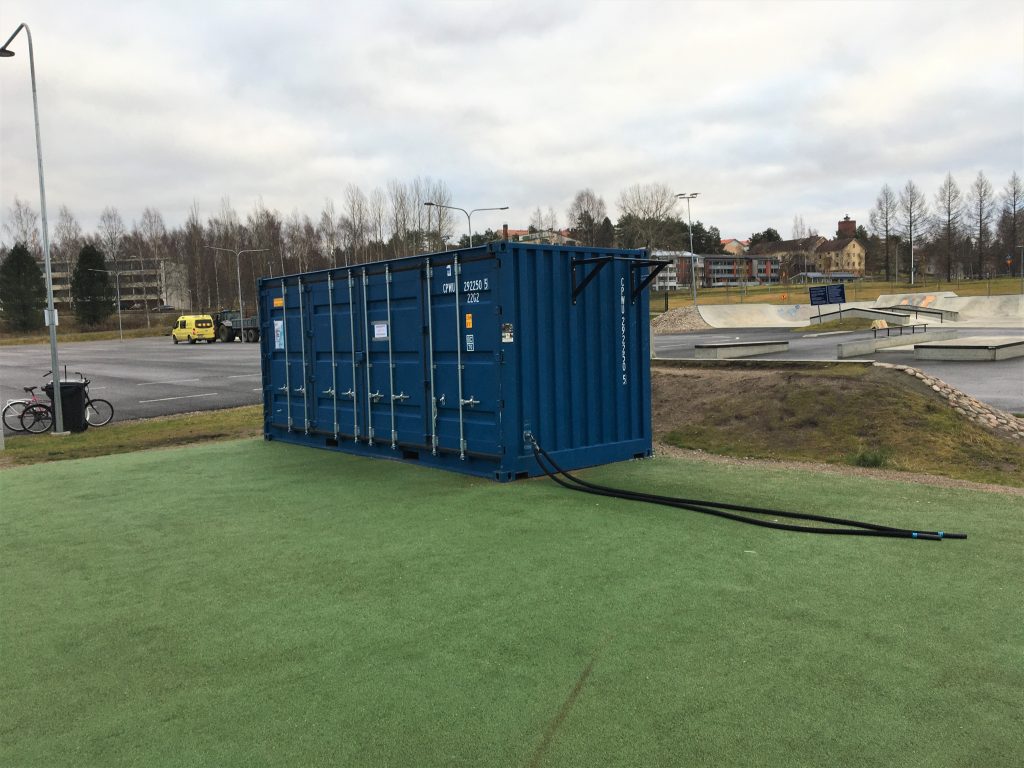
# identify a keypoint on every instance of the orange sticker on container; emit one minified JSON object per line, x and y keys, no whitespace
{"x":279,"y":301}
{"x":469,"y":320}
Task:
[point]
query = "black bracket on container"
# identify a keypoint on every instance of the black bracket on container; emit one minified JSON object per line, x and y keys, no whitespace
{"x":599,"y":263}
{"x":636,"y":290}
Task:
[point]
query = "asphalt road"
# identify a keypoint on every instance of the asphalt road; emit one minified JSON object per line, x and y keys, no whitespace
{"x":1000,"y":383}
{"x":153,"y":377}
{"x":144,"y":377}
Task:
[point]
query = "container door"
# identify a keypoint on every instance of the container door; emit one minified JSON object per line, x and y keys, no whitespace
{"x":328,"y":309}
{"x":288,"y":357}
{"x":466,"y":356}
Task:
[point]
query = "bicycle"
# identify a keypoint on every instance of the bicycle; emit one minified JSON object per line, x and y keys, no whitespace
{"x":38,"y":417}
{"x":14,"y":408}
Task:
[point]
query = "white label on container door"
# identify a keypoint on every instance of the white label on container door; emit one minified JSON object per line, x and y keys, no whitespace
{"x":279,"y":334}
{"x":470,"y":343}
{"x":380,"y":331}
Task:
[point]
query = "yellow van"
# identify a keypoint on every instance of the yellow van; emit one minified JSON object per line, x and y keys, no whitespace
{"x":193,"y":328}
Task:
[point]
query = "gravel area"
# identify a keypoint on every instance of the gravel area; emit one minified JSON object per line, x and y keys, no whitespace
{"x":679,"y":321}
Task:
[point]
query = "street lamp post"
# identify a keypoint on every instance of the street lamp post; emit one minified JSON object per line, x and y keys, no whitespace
{"x":238,"y":276}
{"x":469,"y":215}
{"x":117,"y":287}
{"x":688,"y":196}
{"x":51,"y":312}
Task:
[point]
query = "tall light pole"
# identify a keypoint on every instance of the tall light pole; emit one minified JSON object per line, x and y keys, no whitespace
{"x":469,"y":215}
{"x":51,"y":312}
{"x":117,"y":285}
{"x":688,"y":196}
{"x":238,"y":276}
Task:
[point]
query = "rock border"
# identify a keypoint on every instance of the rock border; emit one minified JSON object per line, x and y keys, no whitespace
{"x":970,"y":407}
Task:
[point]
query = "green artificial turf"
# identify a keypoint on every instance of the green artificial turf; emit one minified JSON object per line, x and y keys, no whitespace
{"x":251,"y":603}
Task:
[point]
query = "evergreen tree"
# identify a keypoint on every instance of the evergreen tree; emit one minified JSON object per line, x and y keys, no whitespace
{"x":22,"y":290}
{"x":92,"y":294}
{"x":605,"y":234}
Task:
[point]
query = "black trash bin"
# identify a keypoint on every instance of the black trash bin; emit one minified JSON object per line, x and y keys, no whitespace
{"x":72,"y":400}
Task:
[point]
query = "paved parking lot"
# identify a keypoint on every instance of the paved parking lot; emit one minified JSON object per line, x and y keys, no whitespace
{"x":144,"y":377}
{"x":1000,"y":384}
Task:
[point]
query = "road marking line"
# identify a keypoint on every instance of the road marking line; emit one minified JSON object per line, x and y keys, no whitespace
{"x":244,"y":375}
{"x":182,"y":397}
{"x":172,"y":381}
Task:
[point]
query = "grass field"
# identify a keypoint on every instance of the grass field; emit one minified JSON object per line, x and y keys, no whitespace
{"x":251,"y":603}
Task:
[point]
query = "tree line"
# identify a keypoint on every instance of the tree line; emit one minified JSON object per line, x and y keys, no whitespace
{"x":958,"y":234}
{"x":389,"y":222}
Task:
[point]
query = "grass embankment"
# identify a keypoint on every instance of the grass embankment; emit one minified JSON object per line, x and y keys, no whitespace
{"x":43,"y":337}
{"x":846,"y":414}
{"x":846,"y":324}
{"x":258,"y":603}
{"x":128,"y":436}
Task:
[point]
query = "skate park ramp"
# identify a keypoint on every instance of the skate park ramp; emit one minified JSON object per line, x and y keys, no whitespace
{"x":766,"y":315}
{"x":990,"y":311}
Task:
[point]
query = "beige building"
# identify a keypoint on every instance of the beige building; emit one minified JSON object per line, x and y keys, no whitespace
{"x":844,"y":254}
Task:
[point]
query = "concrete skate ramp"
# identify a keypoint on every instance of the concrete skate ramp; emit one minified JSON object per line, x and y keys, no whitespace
{"x":766,"y":315}
{"x":1000,"y":311}
{"x":995,"y":311}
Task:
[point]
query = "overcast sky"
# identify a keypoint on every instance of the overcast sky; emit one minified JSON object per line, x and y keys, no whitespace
{"x":769,"y":110}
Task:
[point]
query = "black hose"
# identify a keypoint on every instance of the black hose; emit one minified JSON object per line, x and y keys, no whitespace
{"x":718,"y":509}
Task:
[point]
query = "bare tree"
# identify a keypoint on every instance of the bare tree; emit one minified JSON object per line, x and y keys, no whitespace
{"x":265,"y":228}
{"x":647,"y":214}
{"x":66,"y":244}
{"x":913,"y":217}
{"x":23,"y":225}
{"x":356,"y":224}
{"x":400,"y":215}
{"x":1013,"y":212}
{"x":378,"y":215}
{"x":329,"y":232}
{"x":585,"y":215}
{"x":981,"y":203}
{"x":112,"y":232}
{"x":799,"y":228}
{"x":883,"y":222}
{"x":949,"y":211}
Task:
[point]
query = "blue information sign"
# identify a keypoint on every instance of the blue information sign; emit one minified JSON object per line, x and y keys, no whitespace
{"x":828,"y":294}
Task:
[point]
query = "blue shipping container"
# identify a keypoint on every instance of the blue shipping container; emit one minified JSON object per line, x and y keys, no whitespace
{"x":449,"y":358}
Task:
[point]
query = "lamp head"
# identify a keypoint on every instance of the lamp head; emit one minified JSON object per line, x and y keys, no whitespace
{"x":5,"y":53}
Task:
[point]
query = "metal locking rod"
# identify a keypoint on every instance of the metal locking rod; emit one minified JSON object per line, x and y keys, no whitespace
{"x":430,"y":363}
{"x":458,"y":358}
{"x":391,"y":363}
{"x":334,"y":364}
{"x":369,"y":364}
{"x":287,"y":361}
{"x":352,"y":329}
{"x":305,"y":369}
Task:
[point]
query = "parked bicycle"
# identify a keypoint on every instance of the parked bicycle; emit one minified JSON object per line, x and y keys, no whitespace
{"x":15,"y":407}
{"x":37,"y":417}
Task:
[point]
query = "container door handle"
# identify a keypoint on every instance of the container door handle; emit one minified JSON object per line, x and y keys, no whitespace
{"x":329,"y":391}
{"x":400,"y":396}
{"x":351,"y":393}
{"x":470,"y":402}
{"x":376,"y":396}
